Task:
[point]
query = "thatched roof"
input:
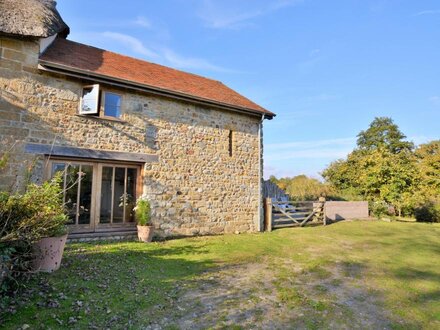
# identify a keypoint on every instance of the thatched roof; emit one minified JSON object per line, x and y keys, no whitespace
{"x":31,"y":18}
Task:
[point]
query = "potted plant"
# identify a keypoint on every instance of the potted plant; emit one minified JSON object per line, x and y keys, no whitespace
{"x":41,"y":221}
{"x":143,"y":217}
{"x":36,"y":219}
{"x":48,"y":251}
{"x":127,"y":200}
{"x":46,"y":223}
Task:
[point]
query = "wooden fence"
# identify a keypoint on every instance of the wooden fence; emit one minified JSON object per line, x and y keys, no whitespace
{"x":281,"y":214}
{"x":271,"y":190}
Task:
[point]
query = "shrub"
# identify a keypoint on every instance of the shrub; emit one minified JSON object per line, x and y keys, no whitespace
{"x":24,"y":219}
{"x":15,"y":264}
{"x":37,"y":213}
{"x":143,"y":212}
{"x":428,"y":212}
{"x":379,"y":209}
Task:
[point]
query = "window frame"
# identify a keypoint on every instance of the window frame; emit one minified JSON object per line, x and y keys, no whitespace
{"x":96,"y":111}
{"x":100,"y":103}
{"x":102,"y":114}
{"x":95,"y":226}
{"x":125,"y":166}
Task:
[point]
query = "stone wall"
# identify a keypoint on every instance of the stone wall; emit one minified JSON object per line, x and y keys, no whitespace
{"x":196,"y":187}
{"x":338,"y":210}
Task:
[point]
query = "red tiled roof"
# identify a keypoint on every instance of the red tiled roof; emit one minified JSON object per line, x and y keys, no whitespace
{"x":73,"y":56}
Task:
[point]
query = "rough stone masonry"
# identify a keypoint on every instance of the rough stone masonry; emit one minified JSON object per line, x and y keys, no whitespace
{"x":196,"y":186}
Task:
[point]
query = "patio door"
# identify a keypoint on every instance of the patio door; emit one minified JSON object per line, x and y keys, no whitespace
{"x":98,"y":196}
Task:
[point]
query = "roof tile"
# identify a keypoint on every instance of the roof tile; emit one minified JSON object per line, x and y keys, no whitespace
{"x":75,"y":56}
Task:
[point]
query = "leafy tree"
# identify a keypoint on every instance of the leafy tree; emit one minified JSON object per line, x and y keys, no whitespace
{"x":383,"y":133}
{"x":381,"y":168}
{"x":301,"y":187}
{"x":428,"y":161}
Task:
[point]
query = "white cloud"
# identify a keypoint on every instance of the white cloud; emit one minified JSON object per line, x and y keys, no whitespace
{"x":228,"y":14}
{"x":330,"y":149}
{"x":277,"y":172}
{"x":183,"y":62}
{"x":162,"y":54}
{"x":131,"y":42}
{"x":282,"y":173}
{"x":428,"y":12}
{"x":330,"y":153}
{"x":311,"y":144}
{"x":142,"y":21}
{"x":314,"y":52}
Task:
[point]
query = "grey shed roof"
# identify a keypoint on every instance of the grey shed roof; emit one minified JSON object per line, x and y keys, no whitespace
{"x":31,"y":18}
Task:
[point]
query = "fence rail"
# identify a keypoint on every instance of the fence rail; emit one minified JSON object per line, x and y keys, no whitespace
{"x":281,"y":214}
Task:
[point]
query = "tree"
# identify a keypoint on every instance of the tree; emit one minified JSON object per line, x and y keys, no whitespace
{"x":301,"y":187}
{"x":428,"y":162}
{"x":383,"y":133}
{"x":381,"y":168}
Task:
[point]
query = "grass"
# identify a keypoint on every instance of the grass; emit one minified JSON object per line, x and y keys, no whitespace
{"x":350,"y":273}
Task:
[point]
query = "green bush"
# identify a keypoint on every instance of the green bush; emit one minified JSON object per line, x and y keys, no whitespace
{"x":37,"y":213}
{"x":24,"y":219}
{"x":143,"y":212}
{"x":15,"y":265}
{"x":428,"y":212}
{"x":379,"y":209}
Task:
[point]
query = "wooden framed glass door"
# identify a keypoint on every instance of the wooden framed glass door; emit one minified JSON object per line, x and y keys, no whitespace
{"x":98,"y":196}
{"x":117,"y":195}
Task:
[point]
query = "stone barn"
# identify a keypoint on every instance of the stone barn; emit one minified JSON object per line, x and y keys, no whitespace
{"x":118,"y":128}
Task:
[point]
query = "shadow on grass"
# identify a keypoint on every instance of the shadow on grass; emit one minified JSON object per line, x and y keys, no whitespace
{"x":416,"y":275}
{"x":107,"y":286}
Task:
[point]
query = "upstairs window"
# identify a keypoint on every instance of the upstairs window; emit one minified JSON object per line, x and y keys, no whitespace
{"x":112,"y":104}
{"x":90,"y":100}
{"x":102,"y":103}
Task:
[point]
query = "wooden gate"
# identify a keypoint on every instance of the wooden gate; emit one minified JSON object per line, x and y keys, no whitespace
{"x":281,"y":214}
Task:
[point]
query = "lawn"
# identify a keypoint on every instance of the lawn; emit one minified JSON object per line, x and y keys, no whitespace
{"x":359,"y":274}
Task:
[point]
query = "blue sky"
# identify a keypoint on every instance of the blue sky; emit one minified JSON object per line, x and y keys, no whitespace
{"x":326,"y":68}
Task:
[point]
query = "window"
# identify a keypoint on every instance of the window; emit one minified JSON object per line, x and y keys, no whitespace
{"x":102,"y":103}
{"x":231,"y":142}
{"x":98,"y":196}
{"x":89,"y":100}
{"x":112,"y":104}
{"x":77,"y":190}
{"x":118,"y":194}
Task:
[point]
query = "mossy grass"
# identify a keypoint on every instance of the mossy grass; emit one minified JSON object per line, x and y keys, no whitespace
{"x":129,"y":284}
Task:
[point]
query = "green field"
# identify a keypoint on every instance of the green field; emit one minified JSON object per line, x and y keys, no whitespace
{"x":359,"y":274}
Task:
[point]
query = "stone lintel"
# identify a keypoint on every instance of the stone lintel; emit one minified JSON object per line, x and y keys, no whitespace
{"x":63,"y":151}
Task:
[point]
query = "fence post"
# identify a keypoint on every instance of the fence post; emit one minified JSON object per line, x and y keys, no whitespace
{"x":324,"y":217}
{"x":268,"y":214}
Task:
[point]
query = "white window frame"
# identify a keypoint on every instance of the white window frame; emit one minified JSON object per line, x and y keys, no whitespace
{"x":96,"y":101}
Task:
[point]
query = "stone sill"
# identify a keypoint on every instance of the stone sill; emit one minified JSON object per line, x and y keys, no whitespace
{"x":114,"y":119}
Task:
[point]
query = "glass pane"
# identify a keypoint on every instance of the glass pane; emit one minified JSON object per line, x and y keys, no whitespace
{"x":112,"y":104}
{"x":60,"y":167}
{"x":71,"y":192}
{"x":57,"y":167}
{"x":131,"y":194}
{"x":85,"y":197}
{"x":106,"y":195}
{"x":118,"y":204}
{"x":89,"y":102}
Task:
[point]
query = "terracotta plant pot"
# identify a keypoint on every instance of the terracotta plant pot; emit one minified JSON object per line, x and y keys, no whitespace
{"x":48,"y":253}
{"x":145,"y":233}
